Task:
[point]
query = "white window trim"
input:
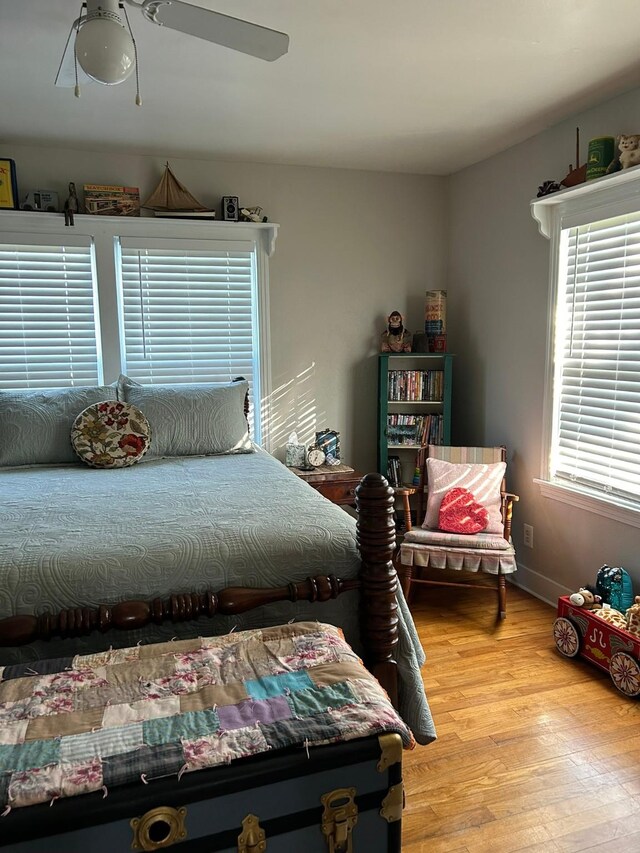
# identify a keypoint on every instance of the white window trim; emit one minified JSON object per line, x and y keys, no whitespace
{"x":106,"y":230}
{"x":603,"y":198}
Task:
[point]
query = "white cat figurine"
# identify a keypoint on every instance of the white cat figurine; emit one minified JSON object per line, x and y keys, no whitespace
{"x":629,"y":146}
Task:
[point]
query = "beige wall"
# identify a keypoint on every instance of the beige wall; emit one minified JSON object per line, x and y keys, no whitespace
{"x":498,"y":291}
{"x":355,"y":245}
{"x":352,"y":247}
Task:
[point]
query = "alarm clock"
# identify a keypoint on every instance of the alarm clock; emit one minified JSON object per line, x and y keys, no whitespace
{"x":315,"y":457}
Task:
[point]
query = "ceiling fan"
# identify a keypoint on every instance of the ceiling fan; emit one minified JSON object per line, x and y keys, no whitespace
{"x":104,"y":50}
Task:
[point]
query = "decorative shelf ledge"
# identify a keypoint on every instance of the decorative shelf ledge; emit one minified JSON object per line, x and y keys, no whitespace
{"x":147,"y":226}
{"x":625,"y":184}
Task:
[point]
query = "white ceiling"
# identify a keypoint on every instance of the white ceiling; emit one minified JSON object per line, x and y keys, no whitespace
{"x":423,"y":86}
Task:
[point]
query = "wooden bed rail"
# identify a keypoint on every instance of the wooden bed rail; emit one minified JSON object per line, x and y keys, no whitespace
{"x":375,"y":532}
{"x":181,"y":607}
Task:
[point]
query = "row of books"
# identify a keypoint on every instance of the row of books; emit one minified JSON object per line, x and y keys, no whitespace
{"x":415,"y":385}
{"x":415,"y":430}
{"x":394,"y":471}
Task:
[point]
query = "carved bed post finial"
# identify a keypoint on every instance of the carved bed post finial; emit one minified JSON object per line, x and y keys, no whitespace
{"x":376,"y":534}
{"x":246,"y":399}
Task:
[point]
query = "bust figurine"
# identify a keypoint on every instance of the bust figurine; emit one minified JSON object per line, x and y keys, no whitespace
{"x":396,"y":338}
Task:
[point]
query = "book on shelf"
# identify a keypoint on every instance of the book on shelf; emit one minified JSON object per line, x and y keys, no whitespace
{"x":394,"y":471}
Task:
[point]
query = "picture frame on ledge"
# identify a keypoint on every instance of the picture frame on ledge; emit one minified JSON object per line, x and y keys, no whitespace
{"x":8,"y":185}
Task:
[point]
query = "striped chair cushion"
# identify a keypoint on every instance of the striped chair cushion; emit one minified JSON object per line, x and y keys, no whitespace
{"x":485,"y":541}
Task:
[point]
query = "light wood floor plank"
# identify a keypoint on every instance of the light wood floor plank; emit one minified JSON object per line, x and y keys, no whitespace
{"x":535,"y":754}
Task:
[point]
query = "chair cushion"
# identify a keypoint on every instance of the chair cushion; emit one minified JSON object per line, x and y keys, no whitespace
{"x":463,"y":559}
{"x":482,"y":541}
{"x":483,"y":481}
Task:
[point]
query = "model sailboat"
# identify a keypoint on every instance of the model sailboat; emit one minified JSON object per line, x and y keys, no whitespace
{"x":171,"y":198}
{"x":579,"y":174}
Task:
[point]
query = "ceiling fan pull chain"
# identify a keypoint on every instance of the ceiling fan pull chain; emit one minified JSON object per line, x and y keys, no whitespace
{"x":76,"y":90}
{"x":135,"y":56}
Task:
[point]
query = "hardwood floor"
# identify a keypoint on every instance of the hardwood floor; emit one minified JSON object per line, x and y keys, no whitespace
{"x":535,"y":752}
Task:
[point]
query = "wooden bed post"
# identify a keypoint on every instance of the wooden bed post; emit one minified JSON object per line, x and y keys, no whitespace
{"x":376,"y":534}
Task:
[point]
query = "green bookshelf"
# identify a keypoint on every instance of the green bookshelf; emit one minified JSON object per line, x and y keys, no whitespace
{"x":414,"y":406}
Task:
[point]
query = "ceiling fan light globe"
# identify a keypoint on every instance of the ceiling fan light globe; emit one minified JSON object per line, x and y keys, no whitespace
{"x":105,"y":51}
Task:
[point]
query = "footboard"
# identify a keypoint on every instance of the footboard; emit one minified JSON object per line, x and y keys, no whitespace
{"x":377,"y":582}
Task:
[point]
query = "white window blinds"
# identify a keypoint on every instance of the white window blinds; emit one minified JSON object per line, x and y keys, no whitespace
{"x":47,"y":315}
{"x":596,"y":429}
{"x":188,"y":313}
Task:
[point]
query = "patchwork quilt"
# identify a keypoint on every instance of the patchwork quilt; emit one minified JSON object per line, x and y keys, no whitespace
{"x":75,"y":725}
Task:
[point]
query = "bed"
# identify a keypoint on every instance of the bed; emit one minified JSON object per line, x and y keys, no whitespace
{"x":159,"y":547}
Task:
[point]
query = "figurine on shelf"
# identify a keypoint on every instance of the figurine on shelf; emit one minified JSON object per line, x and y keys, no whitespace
{"x":628,"y":151}
{"x":396,"y":338}
{"x":252,"y":214}
{"x":547,"y":188}
{"x":71,"y":205}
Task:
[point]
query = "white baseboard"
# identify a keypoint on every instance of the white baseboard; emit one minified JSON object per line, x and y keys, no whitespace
{"x":538,"y":585}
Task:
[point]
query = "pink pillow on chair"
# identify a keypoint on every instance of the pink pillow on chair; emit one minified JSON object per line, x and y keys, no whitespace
{"x":483,"y":481}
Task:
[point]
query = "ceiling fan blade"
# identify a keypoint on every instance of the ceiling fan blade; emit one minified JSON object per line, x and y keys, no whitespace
{"x":234,"y":33}
{"x":66,"y":76}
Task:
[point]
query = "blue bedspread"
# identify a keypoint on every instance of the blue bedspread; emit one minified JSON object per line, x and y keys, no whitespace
{"x":72,"y":535}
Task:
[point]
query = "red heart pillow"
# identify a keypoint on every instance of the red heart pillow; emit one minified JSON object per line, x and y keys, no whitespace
{"x":461,"y":513}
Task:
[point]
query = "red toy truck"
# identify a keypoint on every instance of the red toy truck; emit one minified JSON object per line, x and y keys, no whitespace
{"x":578,"y":631}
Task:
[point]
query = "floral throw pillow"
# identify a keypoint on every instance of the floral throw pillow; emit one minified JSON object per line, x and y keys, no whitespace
{"x":110,"y":434}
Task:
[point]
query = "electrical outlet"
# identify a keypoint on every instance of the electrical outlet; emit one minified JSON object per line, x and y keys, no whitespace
{"x":528,"y":535}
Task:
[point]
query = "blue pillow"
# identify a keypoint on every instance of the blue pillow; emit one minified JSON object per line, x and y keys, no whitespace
{"x":191,"y":420}
{"x":35,"y":426}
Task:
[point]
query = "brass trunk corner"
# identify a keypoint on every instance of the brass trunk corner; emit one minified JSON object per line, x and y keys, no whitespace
{"x":390,"y":750}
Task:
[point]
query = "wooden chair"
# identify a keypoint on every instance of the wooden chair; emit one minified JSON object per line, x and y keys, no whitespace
{"x":432,"y":557}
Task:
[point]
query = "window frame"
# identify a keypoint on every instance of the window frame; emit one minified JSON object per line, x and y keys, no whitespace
{"x":603,"y":198}
{"x":106,"y":231}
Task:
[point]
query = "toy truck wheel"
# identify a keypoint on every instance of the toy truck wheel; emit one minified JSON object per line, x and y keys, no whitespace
{"x":566,"y":637}
{"x":625,"y":673}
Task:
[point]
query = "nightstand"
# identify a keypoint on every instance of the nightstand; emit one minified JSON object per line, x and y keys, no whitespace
{"x":336,"y":482}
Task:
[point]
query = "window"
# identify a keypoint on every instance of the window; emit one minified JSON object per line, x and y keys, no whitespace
{"x":188,"y":315}
{"x":163,"y":301}
{"x":47,"y":316}
{"x":593,"y":405}
{"x":596,"y":421}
